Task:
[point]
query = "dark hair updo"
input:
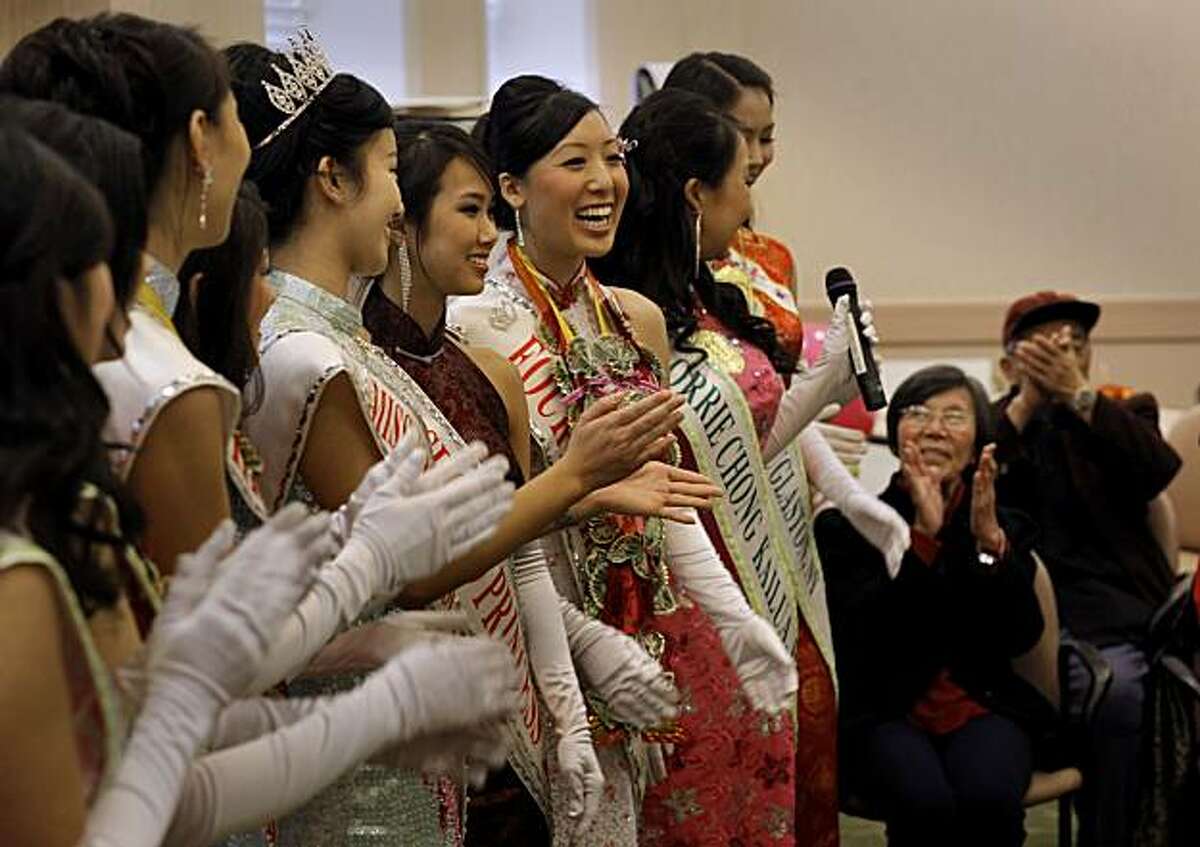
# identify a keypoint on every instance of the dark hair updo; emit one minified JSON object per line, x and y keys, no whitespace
{"x":110,"y":159}
{"x":929,"y":382}
{"x":145,"y":76}
{"x":720,"y":77}
{"x":426,"y":149}
{"x":678,"y":136}
{"x":337,"y":123}
{"x":52,"y":409}
{"x":529,"y":116}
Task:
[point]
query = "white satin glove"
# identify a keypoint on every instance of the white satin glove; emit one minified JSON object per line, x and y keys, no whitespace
{"x":656,"y":761}
{"x":367,"y":647}
{"x":221,"y":613}
{"x":550,"y":656}
{"x":457,"y":691}
{"x":410,"y":449}
{"x":829,"y":380}
{"x":412,"y":526}
{"x":767,"y":672}
{"x":633,"y":685}
{"x":878,"y":522}
{"x":403,"y":525}
{"x":847,"y":443}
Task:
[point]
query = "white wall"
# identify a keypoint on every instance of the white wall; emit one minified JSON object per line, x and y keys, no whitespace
{"x":552,"y":39}
{"x":365,"y":38}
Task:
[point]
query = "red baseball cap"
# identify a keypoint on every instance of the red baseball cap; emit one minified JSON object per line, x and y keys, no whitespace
{"x":1046,"y":306}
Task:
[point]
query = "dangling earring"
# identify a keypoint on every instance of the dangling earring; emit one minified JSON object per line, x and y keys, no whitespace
{"x":405,"y":268}
{"x":520,"y":235}
{"x":696,"y":267}
{"x":205,"y":184}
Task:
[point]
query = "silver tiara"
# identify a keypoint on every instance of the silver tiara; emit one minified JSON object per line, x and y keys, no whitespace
{"x":309,"y":74}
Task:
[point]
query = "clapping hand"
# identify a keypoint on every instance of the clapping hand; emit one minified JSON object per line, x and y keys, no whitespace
{"x":225,"y":604}
{"x":1049,"y":362}
{"x":925,"y":488}
{"x":613,"y":439}
{"x":656,"y":489}
{"x":984,"y":524}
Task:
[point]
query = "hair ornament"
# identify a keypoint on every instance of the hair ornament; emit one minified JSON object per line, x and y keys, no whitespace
{"x":309,"y":73}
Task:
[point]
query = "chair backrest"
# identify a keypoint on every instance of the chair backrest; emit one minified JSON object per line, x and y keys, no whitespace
{"x":1039,"y":666}
{"x":1164,"y":525}
{"x":1184,"y":490}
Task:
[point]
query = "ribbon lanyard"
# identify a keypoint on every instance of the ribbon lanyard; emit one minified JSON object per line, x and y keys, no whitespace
{"x":533,"y":278}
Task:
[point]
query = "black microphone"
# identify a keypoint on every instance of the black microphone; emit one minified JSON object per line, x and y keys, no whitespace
{"x":839,"y":282}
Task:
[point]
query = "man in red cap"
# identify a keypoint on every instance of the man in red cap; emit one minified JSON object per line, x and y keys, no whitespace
{"x":1086,"y":467}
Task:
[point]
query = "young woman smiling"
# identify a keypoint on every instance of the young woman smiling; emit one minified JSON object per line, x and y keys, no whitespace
{"x":447,"y":234}
{"x":561,"y":173}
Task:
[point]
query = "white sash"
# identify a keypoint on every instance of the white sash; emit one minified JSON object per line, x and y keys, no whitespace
{"x":789,"y":481}
{"x":391,"y":402}
{"x":492,"y":606}
{"x":789,"y":484}
{"x":721,"y":433}
{"x":503,"y":319}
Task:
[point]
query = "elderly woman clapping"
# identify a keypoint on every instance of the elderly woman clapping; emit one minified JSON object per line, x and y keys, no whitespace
{"x":936,"y":728}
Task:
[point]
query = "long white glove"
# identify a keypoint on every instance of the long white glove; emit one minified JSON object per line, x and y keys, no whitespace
{"x":550,"y":656}
{"x":247,"y":719}
{"x":635,"y":688}
{"x":767,"y":672}
{"x":829,"y":380}
{"x":365,"y":648}
{"x":403,"y":525}
{"x":412,"y":526}
{"x":656,"y":761}
{"x":458,"y":690}
{"x":847,"y":443}
{"x":221,"y":613}
{"x":878,"y":522}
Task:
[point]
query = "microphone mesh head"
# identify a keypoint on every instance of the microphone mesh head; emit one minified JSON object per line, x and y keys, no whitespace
{"x":838,"y":281}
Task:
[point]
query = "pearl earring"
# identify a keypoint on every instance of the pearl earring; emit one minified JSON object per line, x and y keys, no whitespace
{"x":205,"y":184}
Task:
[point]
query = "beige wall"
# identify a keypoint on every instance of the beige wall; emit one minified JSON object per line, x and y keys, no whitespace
{"x":952,"y":154}
{"x":941,"y":147}
{"x":446,"y":43}
{"x":951,"y":151}
{"x":18,"y":17}
{"x":223,"y":21}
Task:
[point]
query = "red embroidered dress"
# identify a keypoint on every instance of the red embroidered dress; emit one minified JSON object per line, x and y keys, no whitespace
{"x":730,"y":775}
{"x":724,"y":787}
{"x":764,"y":269}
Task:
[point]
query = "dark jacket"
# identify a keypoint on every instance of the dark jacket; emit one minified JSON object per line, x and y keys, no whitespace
{"x":1087,"y":487}
{"x":892,"y":637}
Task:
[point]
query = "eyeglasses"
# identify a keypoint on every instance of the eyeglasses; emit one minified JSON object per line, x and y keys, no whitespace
{"x":954,"y":420}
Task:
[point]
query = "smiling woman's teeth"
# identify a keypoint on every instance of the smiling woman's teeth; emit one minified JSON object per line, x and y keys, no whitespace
{"x":595,"y":217}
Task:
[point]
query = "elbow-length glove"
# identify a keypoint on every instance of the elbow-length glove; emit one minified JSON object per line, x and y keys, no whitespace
{"x":221,"y":614}
{"x":878,"y":522}
{"x":634,"y":687}
{"x":550,"y":656}
{"x":399,"y":526}
{"x":829,"y":380}
{"x":767,"y":672}
{"x":454,"y":690}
